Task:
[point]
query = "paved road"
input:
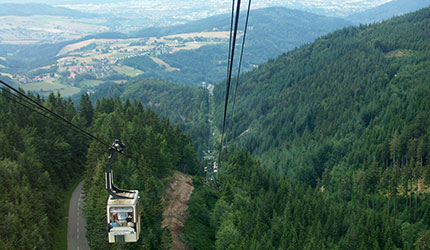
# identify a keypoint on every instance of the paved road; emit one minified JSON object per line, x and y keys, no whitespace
{"x":76,"y":239}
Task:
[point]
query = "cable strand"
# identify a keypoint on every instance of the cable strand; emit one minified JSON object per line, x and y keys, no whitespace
{"x":229,"y":69}
{"x":239,"y":67}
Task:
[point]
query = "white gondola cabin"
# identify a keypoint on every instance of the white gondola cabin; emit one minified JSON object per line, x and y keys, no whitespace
{"x":123,"y":206}
{"x":123,"y":216}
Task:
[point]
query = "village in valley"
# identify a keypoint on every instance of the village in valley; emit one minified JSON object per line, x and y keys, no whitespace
{"x":94,"y":61}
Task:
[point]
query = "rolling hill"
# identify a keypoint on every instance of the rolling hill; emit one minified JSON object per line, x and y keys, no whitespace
{"x":272,"y":31}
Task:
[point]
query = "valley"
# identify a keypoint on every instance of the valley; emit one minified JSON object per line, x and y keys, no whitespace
{"x":189,"y":54}
{"x":90,"y":62}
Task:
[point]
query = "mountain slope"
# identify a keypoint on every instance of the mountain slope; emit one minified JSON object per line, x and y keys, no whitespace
{"x":388,"y":10}
{"x":337,"y":103}
{"x":185,"y":106}
{"x":343,"y":127}
{"x":272,"y":31}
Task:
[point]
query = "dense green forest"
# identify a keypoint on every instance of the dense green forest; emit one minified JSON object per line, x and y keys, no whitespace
{"x":341,"y":129}
{"x":185,"y":106}
{"x":156,"y":147}
{"x":39,"y":158}
{"x":260,"y":209}
{"x":353,"y":97}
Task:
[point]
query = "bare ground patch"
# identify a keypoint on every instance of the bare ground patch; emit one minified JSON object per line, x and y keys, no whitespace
{"x":162,"y":63}
{"x":175,"y":213}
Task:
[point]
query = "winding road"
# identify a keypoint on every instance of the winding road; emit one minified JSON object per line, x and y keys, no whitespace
{"x":76,"y":231}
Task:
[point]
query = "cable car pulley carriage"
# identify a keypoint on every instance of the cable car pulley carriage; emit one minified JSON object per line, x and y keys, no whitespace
{"x":123,"y":206}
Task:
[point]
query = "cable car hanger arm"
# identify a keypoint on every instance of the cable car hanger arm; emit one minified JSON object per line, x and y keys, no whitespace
{"x":117,"y":146}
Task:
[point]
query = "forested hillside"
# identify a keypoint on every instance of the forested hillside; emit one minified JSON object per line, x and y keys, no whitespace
{"x":341,"y":129}
{"x":328,"y":149}
{"x":185,"y":106}
{"x":157,"y":149}
{"x":353,"y":97}
{"x":38,"y":159}
{"x":260,"y":209}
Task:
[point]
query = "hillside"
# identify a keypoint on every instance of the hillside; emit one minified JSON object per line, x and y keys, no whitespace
{"x":157,"y":149}
{"x":272,"y":31}
{"x":344,"y":95}
{"x":388,"y":10}
{"x":341,"y":130}
{"x":185,"y":106}
{"x":39,"y":160}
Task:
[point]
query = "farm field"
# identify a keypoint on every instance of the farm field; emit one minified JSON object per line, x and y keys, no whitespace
{"x":127,"y":70}
{"x":47,"y":87}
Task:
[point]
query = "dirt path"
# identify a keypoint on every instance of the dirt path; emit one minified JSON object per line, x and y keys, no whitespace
{"x":177,"y":195}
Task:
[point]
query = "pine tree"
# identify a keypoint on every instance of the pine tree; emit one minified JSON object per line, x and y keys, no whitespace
{"x":86,"y":109}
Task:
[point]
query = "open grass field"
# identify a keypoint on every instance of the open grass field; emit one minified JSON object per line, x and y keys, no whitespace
{"x":90,"y":83}
{"x":127,"y":70}
{"x":117,"y":44}
{"x":122,"y":55}
{"x":51,"y":86}
{"x":79,"y":45}
{"x":162,"y":63}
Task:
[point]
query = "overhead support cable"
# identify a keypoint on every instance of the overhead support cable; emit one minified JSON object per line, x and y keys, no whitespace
{"x":230,"y":38}
{"x":240,"y":64}
{"x":229,"y":69}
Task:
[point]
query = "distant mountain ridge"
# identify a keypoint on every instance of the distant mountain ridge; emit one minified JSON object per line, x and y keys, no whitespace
{"x":258,"y":16}
{"x":388,"y":10}
{"x":31,"y":9}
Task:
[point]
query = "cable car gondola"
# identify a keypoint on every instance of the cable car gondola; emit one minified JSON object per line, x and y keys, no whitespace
{"x":123,"y":206}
